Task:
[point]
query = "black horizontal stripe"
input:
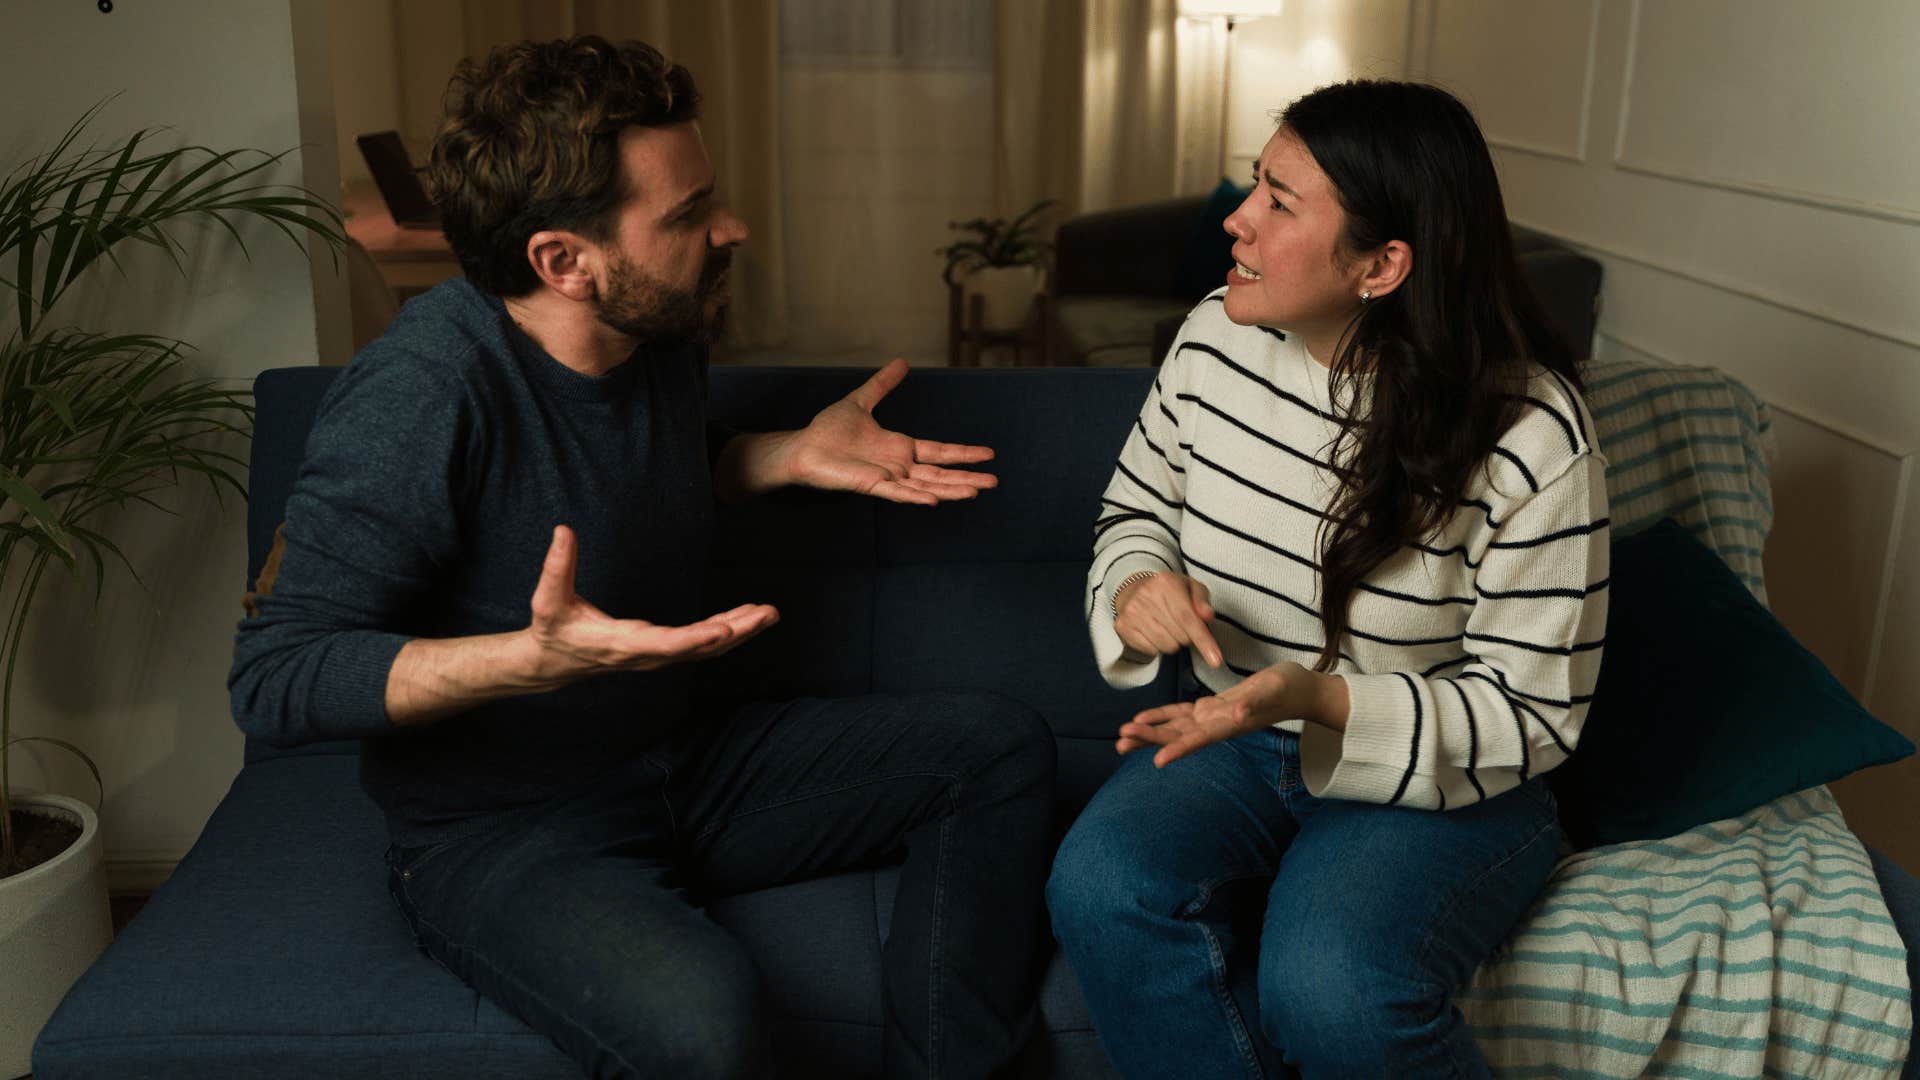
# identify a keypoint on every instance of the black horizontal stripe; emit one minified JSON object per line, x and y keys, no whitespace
{"x":1148,"y":439}
{"x":1297,"y":646}
{"x":1473,"y":740}
{"x":1413,"y":752}
{"x":1261,"y":435}
{"x":1251,"y":584}
{"x":1519,"y":725}
{"x":1251,"y":486}
{"x":1551,"y":650}
{"x":1541,"y":594}
{"x":1573,"y":402}
{"x":1253,"y":377}
{"x":1457,"y":549}
{"x":1572,"y":530}
{"x":1577,"y":699}
{"x":1252,"y":539}
{"x":1309,"y":609}
{"x":1101,"y":526}
{"x":1146,"y":487}
{"x":1310,"y":564}
{"x":1275,"y":333}
{"x":1444,"y":665}
{"x":1093,"y":594}
{"x":1484,"y":508}
{"x":1532,"y":484}
{"x":1515,"y":699}
{"x":1573,"y":442}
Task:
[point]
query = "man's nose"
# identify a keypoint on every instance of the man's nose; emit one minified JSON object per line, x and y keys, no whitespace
{"x":728,"y":230}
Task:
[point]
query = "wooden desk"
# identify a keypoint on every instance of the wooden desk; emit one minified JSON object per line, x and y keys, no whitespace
{"x":411,"y":260}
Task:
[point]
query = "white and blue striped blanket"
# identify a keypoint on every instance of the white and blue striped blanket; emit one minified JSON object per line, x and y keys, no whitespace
{"x":1759,"y":945}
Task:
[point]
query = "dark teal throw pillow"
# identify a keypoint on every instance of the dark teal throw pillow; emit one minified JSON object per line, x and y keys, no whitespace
{"x":1208,"y":252}
{"x":1706,"y":707}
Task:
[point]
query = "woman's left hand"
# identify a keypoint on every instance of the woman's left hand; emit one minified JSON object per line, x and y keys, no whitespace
{"x":1285,"y":691}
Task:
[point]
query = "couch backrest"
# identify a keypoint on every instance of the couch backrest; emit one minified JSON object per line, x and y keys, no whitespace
{"x":878,"y":597}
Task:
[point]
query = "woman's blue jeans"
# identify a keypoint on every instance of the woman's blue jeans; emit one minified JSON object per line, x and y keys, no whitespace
{"x":1224,"y":922}
{"x":581,"y":916}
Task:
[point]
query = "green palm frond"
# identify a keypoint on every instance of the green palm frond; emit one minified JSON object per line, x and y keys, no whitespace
{"x":90,"y":421}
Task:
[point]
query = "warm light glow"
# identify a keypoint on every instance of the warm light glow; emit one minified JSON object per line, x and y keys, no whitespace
{"x":1237,"y":10}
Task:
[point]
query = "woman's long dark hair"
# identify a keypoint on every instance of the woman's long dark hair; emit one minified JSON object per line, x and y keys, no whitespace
{"x":1448,"y":352}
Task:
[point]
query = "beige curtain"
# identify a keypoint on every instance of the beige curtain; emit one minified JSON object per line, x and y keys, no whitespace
{"x":1104,"y":103}
{"x":733,"y":49}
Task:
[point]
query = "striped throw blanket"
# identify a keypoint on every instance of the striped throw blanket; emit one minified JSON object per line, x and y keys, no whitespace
{"x":1759,"y":945}
{"x":1755,"y":946}
{"x":1692,"y":444}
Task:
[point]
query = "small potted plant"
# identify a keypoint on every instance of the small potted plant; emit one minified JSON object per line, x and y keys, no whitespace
{"x":89,"y":422}
{"x":1002,"y":262}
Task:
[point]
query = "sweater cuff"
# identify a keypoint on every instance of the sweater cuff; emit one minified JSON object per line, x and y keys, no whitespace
{"x":1368,"y":761}
{"x":350,"y":699}
{"x":1122,"y":669}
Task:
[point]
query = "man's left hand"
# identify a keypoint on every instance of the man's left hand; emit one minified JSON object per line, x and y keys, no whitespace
{"x":1285,"y":691}
{"x":845,"y":449}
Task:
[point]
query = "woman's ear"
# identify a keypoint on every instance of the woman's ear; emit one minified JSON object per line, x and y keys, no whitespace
{"x":1386,"y":269}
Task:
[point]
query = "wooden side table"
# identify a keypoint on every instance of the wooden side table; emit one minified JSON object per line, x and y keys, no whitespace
{"x":966,"y":337}
{"x":412,"y":260}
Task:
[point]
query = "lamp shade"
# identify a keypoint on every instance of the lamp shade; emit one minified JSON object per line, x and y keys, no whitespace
{"x":1232,"y":9}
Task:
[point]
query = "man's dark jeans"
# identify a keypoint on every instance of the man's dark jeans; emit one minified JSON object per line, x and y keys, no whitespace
{"x":581,"y":918}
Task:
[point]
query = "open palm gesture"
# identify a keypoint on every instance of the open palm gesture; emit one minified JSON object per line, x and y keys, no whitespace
{"x":845,"y":449}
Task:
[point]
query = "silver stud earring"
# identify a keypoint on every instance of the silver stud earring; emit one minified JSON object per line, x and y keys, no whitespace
{"x":1366,"y":295}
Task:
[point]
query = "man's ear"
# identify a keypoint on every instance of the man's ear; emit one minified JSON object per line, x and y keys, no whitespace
{"x":564,"y":263}
{"x":1387,"y":268}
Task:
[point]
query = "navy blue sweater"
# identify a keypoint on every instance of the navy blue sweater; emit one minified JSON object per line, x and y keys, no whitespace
{"x":438,"y":465}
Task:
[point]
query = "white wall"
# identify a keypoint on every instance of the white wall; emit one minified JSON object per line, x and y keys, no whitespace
{"x":1744,"y":171}
{"x":366,"y":89}
{"x":876,"y":161}
{"x":140,"y":684}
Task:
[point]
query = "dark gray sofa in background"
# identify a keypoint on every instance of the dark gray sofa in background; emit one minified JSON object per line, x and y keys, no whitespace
{"x":274,"y":951}
{"x":1124,"y":279}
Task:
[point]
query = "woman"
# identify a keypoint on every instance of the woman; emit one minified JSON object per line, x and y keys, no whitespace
{"x":1364,"y":499}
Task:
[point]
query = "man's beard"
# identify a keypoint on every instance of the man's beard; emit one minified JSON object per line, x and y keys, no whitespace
{"x":654,"y":313}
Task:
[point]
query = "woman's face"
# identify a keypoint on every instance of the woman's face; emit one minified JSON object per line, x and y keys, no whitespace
{"x":1286,"y":233}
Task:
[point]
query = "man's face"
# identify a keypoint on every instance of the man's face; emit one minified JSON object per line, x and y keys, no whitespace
{"x":665,"y":278}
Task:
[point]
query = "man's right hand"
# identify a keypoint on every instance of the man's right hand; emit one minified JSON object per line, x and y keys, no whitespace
{"x":1163,"y":614}
{"x":574,"y":639}
{"x":567,"y":640}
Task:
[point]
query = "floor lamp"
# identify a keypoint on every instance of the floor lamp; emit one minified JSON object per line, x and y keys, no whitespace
{"x":1234,"y":11}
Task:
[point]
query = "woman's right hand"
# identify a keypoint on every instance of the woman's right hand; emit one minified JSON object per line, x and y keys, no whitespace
{"x":1163,"y":614}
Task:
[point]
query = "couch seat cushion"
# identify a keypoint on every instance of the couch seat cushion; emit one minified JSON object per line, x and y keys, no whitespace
{"x":275,"y":951}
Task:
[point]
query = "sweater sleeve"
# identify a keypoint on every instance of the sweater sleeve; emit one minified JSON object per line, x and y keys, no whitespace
{"x":1515,"y":709}
{"x":371,"y":521}
{"x":1140,"y":513}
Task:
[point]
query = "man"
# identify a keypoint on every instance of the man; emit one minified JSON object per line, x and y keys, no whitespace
{"x":556,"y":806}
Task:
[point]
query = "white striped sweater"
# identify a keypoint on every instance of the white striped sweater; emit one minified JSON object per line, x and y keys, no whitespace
{"x":1470,"y":658}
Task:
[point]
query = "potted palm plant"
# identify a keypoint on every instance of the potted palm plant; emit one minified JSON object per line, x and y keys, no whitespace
{"x":1003,"y":262}
{"x":92,"y":422}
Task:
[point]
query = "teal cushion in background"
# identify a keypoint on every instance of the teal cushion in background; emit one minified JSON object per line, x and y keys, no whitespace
{"x":1706,"y":707}
{"x":1208,"y":252}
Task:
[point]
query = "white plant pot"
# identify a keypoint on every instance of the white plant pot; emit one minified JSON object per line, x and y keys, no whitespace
{"x":54,"y":922}
{"x":1006,"y":293}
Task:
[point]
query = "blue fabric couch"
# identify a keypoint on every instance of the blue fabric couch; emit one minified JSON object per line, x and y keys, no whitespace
{"x":274,"y":950}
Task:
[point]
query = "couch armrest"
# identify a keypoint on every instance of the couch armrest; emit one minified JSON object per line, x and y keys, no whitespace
{"x":1132,"y":251}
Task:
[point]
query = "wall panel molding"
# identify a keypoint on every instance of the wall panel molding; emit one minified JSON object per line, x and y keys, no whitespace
{"x":1623,"y":160}
{"x":1577,"y":152}
{"x":1729,"y":285}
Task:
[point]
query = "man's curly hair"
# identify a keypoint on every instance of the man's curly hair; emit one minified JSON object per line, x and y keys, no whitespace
{"x":530,"y":140}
